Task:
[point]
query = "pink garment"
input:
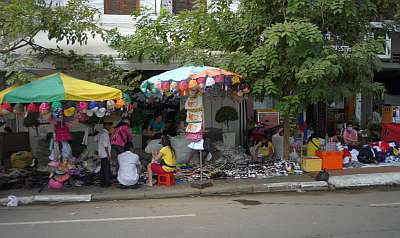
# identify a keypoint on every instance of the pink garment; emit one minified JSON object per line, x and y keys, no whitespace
{"x":350,"y":136}
{"x":62,"y":132}
{"x":121,"y":135}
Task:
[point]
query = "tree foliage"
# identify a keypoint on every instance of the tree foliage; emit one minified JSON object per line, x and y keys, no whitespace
{"x":290,"y":50}
{"x":22,"y":20}
{"x":300,"y":52}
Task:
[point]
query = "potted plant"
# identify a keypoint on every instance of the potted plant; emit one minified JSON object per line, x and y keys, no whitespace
{"x":225,"y":115}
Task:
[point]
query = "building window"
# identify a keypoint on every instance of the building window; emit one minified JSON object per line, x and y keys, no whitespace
{"x":181,"y":5}
{"x":121,"y":7}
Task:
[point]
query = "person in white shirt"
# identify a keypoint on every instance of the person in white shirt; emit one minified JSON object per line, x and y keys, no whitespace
{"x":129,"y":167}
{"x":376,"y":116}
{"x":104,"y":150}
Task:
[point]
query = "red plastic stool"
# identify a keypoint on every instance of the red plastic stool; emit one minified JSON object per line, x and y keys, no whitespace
{"x":167,"y":179}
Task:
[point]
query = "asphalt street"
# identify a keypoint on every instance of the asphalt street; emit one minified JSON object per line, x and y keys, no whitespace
{"x":339,"y":214}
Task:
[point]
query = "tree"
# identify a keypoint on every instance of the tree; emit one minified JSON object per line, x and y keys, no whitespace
{"x":225,"y":115}
{"x":101,"y":70}
{"x":300,"y":52}
{"x":22,"y":20}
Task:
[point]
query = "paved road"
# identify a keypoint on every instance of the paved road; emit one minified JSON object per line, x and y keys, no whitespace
{"x":347,"y":214}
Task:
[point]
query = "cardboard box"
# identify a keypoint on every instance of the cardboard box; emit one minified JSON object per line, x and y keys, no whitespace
{"x":311,"y":164}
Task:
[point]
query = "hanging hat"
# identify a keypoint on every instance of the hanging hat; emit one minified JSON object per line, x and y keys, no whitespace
{"x":228,"y":81}
{"x":69,"y":109}
{"x":83,"y":106}
{"x":44,"y":107}
{"x":93,"y":106}
{"x":210,"y":82}
{"x":32,"y":107}
{"x":219,"y":78}
{"x":183,"y":85}
{"x":69,"y":112}
{"x":157,"y":85}
{"x":110,"y":105}
{"x":174,"y":85}
{"x":56,"y":105}
{"x":201,"y":82}
{"x":120,"y":103}
{"x":7,"y":108}
{"x":89,"y":113}
{"x":58,"y":114}
{"x":193,"y":84}
{"x":165,"y":86}
{"x":101,"y":112}
{"x":235,"y":80}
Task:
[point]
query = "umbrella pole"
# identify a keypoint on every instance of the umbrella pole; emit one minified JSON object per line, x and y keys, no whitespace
{"x":202,"y":184}
{"x":201,"y":167}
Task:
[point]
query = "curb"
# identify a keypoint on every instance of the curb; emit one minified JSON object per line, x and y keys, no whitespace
{"x":364,"y":180}
{"x":48,"y":199}
{"x":159,"y":194}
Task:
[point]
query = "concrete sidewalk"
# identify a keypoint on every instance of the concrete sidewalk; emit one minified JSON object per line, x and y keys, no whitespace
{"x":220,"y":187}
{"x":294,"y":183}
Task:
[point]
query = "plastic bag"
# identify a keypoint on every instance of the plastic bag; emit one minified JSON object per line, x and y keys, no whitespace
{"x":12,"y":201}
{"x":322,"y":176}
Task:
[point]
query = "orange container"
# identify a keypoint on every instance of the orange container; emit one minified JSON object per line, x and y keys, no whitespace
{"x":331,"y":160}
{"x":387,"y":114}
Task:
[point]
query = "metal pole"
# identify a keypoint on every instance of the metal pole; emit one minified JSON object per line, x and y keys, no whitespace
{"x":201,"y":167}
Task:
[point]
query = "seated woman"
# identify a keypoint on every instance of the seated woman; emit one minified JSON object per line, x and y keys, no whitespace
{"x":313,"y":144}
{"x":156,"y":127}
{"x":163,"y":162}
{"x":264,"y":150}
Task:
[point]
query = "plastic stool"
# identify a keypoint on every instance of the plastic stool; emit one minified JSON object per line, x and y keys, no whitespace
{"x":167,"y":179}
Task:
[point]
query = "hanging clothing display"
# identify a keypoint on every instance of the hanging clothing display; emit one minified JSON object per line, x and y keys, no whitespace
{"x":194,"y":118}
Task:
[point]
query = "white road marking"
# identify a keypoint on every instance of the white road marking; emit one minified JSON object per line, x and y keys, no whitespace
{"x":95,"y":220}
{"x":385,"y":205}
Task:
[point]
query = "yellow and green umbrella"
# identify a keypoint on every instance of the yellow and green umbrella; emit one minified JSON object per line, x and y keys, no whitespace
{"x":7,"y":90}
{"x":58,"y":87}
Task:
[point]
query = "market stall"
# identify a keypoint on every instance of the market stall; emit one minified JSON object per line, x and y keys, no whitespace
{"x":190,"y":83}
{"x":61,"y":100}
{"x":390,"y":130}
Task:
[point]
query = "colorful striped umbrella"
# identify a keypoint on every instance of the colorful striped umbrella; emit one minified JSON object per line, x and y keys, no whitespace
{"x":7,"y":90}
{"x":58,"y":87}
{"x":185,"y":74}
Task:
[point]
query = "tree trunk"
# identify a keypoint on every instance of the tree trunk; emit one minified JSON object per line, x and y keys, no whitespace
{"x":286,"y":134}
{"x":2,"y":80}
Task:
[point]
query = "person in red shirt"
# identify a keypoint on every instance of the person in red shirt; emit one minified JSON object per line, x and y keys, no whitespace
{"x":121,"y":135}
{"x":350,"y":135}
